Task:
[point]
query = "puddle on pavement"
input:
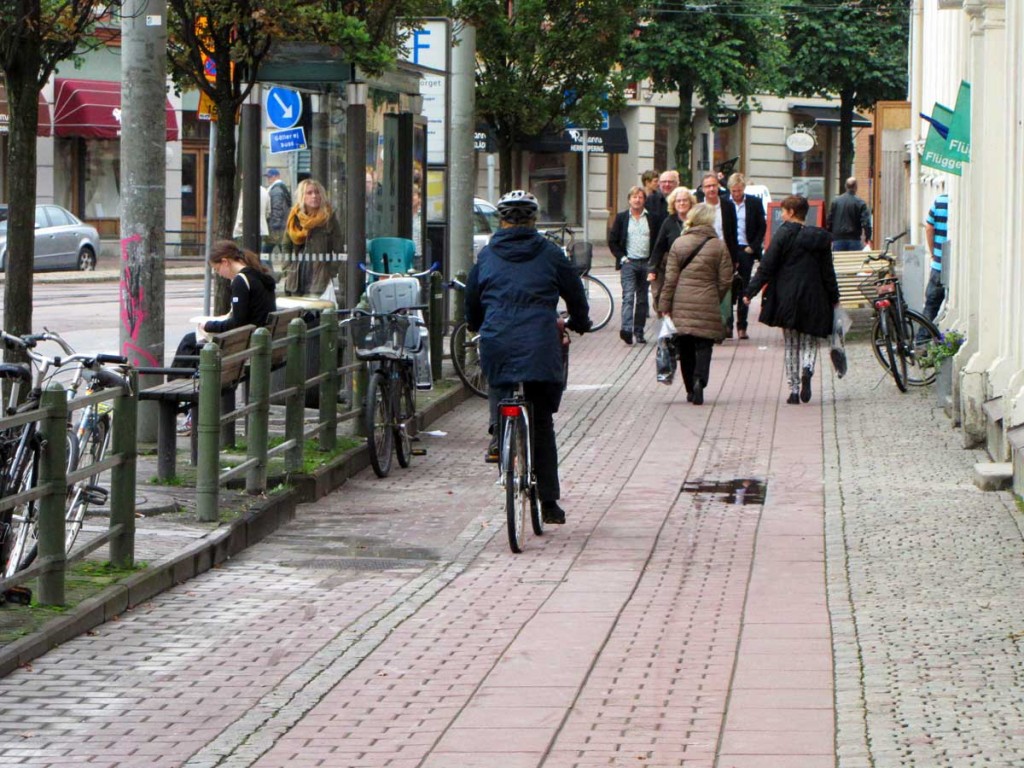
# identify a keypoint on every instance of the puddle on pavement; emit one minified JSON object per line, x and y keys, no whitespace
{"x":740,"y":491}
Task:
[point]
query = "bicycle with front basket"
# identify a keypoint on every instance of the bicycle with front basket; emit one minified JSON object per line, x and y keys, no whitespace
{"x":899,"y":335}
{"x":580,"y":255}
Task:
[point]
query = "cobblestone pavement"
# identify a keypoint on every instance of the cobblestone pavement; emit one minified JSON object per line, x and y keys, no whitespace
{"x":863,"y":612}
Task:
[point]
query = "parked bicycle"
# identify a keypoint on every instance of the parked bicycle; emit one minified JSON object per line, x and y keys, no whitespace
{"x":464,"y":348}
{"x":899,"y":335}
{"x":86,"y":442}
{"x":599,"y":295}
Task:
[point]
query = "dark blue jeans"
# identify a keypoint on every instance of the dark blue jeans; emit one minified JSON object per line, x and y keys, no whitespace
{"x":847,"y":245}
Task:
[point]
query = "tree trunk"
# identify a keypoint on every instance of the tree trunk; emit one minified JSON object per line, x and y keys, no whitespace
{"x":23,"y":101}
{"x":684,"y":141}
{"x":224,"y":200}
{"x":845,"y":139}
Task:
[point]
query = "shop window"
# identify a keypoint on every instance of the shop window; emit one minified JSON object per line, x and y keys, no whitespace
{"x":809,"y":173}
{"x":554,"y":177}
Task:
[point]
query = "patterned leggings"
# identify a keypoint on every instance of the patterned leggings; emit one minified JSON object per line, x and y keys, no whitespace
{"x":801,"y":352}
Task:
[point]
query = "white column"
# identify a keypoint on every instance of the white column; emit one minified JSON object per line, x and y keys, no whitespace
{"x":985,"y":217}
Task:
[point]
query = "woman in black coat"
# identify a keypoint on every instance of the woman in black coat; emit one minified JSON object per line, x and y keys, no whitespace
{"x":801,"y":295}
{"x":680,"y":201}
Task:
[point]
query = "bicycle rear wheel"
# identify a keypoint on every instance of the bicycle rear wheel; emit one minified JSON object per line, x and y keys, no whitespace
{"x":465,"y":351}
{"x":404,"y":419}
{"x":87,"y":491}
{"x":517,"y":492}
{"x":377,"y":415}
{"x":894,"y":352}
{"x":24,"y":522}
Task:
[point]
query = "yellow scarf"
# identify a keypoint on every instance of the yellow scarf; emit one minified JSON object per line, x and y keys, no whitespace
{"x":300,"y":224}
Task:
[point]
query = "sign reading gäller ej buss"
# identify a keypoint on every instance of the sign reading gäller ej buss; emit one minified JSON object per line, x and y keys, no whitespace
{"x":287,"y":141}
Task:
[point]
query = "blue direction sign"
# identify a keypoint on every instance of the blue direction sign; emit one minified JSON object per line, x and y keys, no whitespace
{"x":284,"y":107}
{"x":287,"y":141}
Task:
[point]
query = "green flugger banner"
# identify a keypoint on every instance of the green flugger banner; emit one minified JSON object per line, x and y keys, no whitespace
{"x":948,"y":145}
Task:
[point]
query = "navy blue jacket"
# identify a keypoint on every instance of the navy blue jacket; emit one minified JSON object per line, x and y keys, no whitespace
{"x":512,"y":299}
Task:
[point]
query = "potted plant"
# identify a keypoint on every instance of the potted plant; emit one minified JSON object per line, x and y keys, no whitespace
{"x":937,"y":355}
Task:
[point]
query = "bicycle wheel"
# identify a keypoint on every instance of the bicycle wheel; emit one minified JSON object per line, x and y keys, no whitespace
{"x":404,"y":418}
{"x":602,"y":305}
{"x":897,"y":363}
{"x":918,"y":333}
{"x":513,"y":464}
{"x":87,"y":491}
{"x":377,"y":415}
{"x":24,"y":521}
{"x":465,"y":352}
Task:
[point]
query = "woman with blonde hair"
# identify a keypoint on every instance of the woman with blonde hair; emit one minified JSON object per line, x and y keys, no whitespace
{"x":680,"y":201}
{"x":698,"y":272}
{"x":313,"y":240}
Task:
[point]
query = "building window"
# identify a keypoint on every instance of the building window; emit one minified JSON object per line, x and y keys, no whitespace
{"x":554,"y":177}
{"x":809,"y":173}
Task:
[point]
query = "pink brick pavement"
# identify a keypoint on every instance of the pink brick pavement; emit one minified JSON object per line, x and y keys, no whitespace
{"x":656,"y":628}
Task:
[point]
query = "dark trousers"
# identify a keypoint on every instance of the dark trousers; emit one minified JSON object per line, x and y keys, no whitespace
{"x":745,"y":270}
{"x":545,"y":397}
{"x":189,"y":346}
{"x":694,"y":359}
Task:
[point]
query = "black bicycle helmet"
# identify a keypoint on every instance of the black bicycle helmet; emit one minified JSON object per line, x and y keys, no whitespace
{"x":517,"y":207}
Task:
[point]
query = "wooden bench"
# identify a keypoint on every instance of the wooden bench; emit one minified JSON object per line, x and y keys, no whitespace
{"x":847,"y":264}
{"x":186,"y":390}
{"x":277,"y":324}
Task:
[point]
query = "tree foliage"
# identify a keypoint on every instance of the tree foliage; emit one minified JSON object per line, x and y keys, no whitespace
{"x":543,"y":62}
{"x":35,"y":36}
{"x":710,"y":50}
{"x":237,"y":36}
{"x":854,"y":48}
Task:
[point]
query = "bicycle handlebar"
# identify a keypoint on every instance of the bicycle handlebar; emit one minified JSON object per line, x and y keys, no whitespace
{"x":885,"y":252}
{"x":435,"y":267}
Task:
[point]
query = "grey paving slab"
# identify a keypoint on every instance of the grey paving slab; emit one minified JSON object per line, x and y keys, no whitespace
{"x":863,"y":613}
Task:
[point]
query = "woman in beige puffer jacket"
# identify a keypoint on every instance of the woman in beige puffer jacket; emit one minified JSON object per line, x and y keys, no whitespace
{"x":698,"y":272}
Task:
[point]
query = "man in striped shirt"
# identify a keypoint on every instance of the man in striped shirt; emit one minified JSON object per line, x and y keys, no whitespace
{"x":936,"y":232}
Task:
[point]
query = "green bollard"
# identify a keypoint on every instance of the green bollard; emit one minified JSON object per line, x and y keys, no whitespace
{"x":328,"y":437}
{"x":122,"y":477}
{"x":295,"y":403}
{"x":435,"y":324}
{"x":208,"y":465}
{"x":52,"y":477}
{"x":258,"y":420}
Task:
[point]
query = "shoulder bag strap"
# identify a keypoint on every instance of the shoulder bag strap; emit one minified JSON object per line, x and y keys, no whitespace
{"x":694,"y":253}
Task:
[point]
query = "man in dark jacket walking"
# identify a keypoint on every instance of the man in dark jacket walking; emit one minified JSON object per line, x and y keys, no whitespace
{"x":511,"y":299}
{"x":744,"y":237}
{"x":849,"y":220}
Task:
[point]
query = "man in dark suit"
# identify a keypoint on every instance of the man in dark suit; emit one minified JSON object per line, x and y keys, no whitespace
{"x":743,"y":230}
{"x":630,"y":241}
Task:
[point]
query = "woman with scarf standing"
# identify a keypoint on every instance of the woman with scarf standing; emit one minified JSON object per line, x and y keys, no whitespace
{"x":314,"y":239}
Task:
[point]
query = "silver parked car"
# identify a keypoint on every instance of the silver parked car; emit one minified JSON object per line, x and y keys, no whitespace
{"x":63,"y":241}
{"x":485,"y":223}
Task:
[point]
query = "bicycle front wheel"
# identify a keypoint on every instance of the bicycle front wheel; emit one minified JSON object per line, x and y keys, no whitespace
{"x":918,"y":333}
{"x":24,"y":522}
{"x":377,"y":415}
{"x":405,"y":417}
{"x":602,"y":305}
{"x":465,"y":351}
{"x":513,"y":464}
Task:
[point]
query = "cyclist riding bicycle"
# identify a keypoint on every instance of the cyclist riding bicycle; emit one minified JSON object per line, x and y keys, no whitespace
{"x":511,"y":299}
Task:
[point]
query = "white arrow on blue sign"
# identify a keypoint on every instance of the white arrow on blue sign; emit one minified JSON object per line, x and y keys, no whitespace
{"x":284,"y":107}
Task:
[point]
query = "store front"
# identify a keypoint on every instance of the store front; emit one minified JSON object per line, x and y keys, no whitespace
{"x":87,"y":131}
{"x":44,"y":130}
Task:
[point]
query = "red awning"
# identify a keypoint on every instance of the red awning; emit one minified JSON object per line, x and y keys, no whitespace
{"x":5,"y":114}
{"x":92,"y":109}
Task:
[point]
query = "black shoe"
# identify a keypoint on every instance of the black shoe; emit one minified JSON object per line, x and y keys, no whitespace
{"x":805,"y":385}
{"x":639,"y":336}
{"x":627,"y":337}
{"x":698,"y":393}
{"x":689,"y":396}
{"x":552,"y":513}
{"x":493,"y":456}
{"x":794,"y":399}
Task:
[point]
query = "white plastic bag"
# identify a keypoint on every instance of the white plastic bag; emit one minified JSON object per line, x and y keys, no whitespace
{"x":668,"y":328}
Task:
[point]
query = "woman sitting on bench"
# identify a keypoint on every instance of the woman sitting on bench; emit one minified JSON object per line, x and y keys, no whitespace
{"x":253,"y":298}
